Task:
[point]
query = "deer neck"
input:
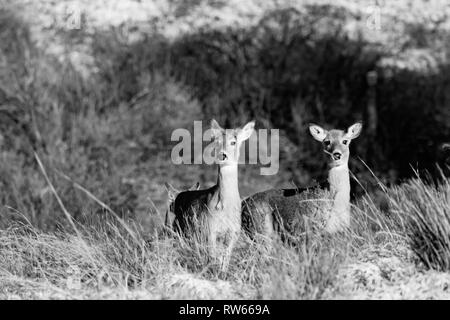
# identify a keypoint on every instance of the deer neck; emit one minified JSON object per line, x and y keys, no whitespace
{"x":339,"y":180}
{"x":227,"y":183}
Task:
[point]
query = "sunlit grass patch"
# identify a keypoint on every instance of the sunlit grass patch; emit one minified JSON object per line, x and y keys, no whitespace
{"x":424,"y":209}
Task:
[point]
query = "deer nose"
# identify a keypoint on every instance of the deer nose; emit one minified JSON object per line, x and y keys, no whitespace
{"x":223,"y":156}
{"x":337,"y":155}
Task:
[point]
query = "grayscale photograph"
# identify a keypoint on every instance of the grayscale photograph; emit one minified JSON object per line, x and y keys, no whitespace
{"x":239,"y":150}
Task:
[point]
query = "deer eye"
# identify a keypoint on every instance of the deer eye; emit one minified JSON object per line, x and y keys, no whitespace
{"x":327,"y":142}
{"x":345,"y":142}
{"x":233,"y":143}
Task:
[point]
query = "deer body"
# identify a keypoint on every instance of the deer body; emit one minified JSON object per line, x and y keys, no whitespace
{"x":327,"y":204}
{"x":215,"y":213}
{"x":218,"y":209}
{"x":172,"y":194}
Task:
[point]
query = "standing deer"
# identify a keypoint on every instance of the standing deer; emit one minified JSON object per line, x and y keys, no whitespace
{"x":327,"y":203}
{"x":216,"y":212}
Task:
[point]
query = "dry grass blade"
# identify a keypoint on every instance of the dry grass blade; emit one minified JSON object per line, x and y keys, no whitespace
{"x":52,"y":188}
{"x":103,"y":205}
{"x":61,"y":204}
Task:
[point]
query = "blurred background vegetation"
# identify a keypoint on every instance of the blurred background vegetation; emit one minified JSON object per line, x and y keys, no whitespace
{"x":98,"y":97}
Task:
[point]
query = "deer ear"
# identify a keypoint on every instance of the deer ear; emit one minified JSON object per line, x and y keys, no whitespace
{"x":171,"y":191}
{"x":216,"y":129}
{"x":246,"y":131}
{"x":317,"y":132}
{"x":445,"y":146}
{"x":196,"y":186}
{"x":354,"y":130}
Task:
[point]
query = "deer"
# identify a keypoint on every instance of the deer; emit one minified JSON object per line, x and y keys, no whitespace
{"x":327,"y":204}
{"x":216,"y":212}
{"x":172,"y":193}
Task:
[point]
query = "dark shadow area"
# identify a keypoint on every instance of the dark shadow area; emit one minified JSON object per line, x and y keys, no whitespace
{"x":286,"y":72}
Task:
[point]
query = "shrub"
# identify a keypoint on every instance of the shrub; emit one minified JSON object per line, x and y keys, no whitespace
{"x":424,"y":210}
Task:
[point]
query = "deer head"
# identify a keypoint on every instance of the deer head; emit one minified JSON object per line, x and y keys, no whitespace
{"x":227,"y":142}
{"x":336,"y":142}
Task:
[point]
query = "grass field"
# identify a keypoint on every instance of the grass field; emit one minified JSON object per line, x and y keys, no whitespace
{"x":400,"y":252}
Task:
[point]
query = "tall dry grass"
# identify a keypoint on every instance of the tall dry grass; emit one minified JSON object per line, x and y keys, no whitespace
{"x":102,"y":142}
{"x":114,"y":257}
{"x":118,"y":259}
{"x":424,"y":211}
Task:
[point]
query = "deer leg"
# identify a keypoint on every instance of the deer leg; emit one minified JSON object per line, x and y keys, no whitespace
{"x":228,"y":251}
{"x":212,"y":241}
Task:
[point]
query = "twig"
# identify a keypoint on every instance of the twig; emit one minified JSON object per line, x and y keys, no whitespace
{"x":63,"y":208}
{"x":52,"y":188}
